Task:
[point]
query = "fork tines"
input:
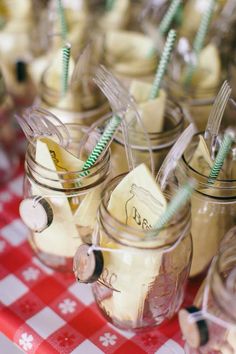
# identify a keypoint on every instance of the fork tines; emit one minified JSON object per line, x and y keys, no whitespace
{"x":112,"y":88}
{"x":217,"y":111}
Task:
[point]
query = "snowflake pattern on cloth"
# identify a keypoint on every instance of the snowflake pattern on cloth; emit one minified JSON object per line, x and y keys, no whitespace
{"x":31,"y":274}
{"x":67,"y":306}
{"x":25,"y":341}
{"x":108,"y":339}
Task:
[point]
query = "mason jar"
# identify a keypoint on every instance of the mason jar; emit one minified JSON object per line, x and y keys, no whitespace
{"x":118,"y":17}
{"x":213,"y":209}
{"x":195,"y":97}
{"x":94,"y":105}
{"x":214,"y":331}
{"x":143,"y":279}
{"x":196,"y":103}
{"x":59,"y":207}
{"x":9,"y":160}
{"x":160,"y":143}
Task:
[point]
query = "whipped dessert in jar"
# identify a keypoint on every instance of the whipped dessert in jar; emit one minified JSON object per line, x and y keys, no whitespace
{"x":213,"y":205}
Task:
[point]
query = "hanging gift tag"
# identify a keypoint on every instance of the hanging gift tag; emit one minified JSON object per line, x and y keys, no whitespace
{"x":88,"y":264}
{"x":195,"y":332}
{"x":37,"y":214}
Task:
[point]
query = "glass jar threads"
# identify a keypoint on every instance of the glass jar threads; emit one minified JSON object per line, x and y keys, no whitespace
{"x":194,"y":80}
{"x":213,"y":209}
{"x":143,"y":278}
{"x":90,"y":106}
{"x":160,"y":142}
{"x":60,"y":203}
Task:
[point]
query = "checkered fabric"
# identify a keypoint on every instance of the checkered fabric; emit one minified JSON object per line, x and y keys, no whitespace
{"x":47,"y":312}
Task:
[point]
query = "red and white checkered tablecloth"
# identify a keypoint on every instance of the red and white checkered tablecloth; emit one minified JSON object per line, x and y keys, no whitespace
{"x":47,"y":312}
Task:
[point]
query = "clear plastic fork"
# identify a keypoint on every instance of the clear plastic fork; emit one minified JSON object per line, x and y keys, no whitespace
{"x":215,"y":117}
{"x":174,"y":155}
{"x":117,"y":95}
{"x":37,"y":122}
{"x":120,"y":101}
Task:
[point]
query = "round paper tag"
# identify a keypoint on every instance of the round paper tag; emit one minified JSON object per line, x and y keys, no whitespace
{"x":37,"y":214}
{"x":195,"y":333}
{"x":87,"y":266}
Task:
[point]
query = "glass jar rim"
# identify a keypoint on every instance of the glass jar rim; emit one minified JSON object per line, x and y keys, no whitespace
{"x":169,"y":135}
{"x":202,"y":181}
{"x":48,"y":174}
{"x":45,"y":89}
{"x":193,"y":95}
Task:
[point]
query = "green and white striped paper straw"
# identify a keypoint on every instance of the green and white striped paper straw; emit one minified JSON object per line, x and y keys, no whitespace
{"x":169,"y":16}
{"x":61,"y":14}
{"x":169,"y":45}
{"x":225,"y":147}
{"x":65,"y":68}
{"x":110,"y":4}
{"x":102,"y":144}
{"x":181,"y":197}
{"x":200,"y":38}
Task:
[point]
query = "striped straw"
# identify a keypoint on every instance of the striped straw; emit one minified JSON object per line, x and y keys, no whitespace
{"x":61,"y":14}
{"x":163,"y":64}
{"x":65,"y":68}
{"x":200,"y":38}
{"x":181,"y":197}
{"x":102,"y":144}
{"x":110,"y":4}
{"x":169,"y":16}
{"x":225,"y":147}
